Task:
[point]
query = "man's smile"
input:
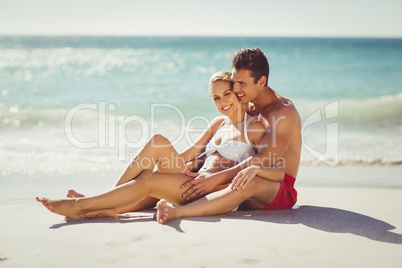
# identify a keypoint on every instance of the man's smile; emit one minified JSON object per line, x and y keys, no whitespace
{"x":240,"y":95}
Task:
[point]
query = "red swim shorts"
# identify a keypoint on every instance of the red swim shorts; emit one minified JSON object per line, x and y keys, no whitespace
{"x":286,"y":196}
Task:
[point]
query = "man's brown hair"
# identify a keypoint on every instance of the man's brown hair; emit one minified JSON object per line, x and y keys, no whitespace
{"x":252,"y":59}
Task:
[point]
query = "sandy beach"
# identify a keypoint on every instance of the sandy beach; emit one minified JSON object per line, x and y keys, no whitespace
{"x":75,"y":109}
{"x":352,"y":224}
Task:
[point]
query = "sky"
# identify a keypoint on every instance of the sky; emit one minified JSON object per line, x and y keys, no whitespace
{"x":310,"y":18}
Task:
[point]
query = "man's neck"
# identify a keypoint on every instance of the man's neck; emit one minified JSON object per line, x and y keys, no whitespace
{"x":266,"y":97}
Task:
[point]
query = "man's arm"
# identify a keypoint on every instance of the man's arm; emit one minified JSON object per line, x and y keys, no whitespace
{"x":205,"y":184}
{"x":246,"y":175}
{"x":270,"y":150}
{"x":275,"y":141}
{"x":271,"y":147}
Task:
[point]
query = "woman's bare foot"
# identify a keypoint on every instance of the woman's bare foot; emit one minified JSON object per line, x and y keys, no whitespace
{"x":74,"y":194}
{"x":164,"y":212}
{"x":106,"y":213}
{"x":65,"y":207}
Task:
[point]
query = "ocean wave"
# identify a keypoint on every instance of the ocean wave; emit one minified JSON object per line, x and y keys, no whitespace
{"x":380,"y":111}
{"x":51,"y":163}
{"x":352,"y":161}
{"x":384,"y":110}
{"x":20,"y":117}
{"x":35,"y":64}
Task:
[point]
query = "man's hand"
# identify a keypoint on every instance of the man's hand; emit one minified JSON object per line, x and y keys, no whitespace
{"x":244,"y":177}
{"x":199,"y":186}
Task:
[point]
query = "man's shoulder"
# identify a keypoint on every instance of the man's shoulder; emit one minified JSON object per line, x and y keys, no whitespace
{"x":257,"y":124}
{"x":283,"y":107}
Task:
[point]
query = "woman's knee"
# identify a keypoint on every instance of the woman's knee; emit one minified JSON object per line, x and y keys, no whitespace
{"x":159,"y":140}
{"x":143,"y":180}
{"x":144,"y":175}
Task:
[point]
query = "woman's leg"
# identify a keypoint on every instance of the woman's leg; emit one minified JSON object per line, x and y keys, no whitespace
{"x":258,"y":193}
{"x":158,"y":151}
{"x":163,"y":185}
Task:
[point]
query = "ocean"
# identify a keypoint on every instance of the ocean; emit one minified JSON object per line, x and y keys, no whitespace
{"x":81,"y":104}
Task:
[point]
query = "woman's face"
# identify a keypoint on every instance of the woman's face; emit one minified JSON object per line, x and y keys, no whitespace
{"x":225,"y":100}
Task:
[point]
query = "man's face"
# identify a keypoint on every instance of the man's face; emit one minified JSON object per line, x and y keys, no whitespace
{"x":244,"y":86}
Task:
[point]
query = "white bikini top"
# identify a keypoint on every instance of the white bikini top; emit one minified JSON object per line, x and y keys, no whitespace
{"x":236,"y":151}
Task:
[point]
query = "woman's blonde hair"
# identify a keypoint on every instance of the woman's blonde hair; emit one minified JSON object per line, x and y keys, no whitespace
{"x":220,"y":76}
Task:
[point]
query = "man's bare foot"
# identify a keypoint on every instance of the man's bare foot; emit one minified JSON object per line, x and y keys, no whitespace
{"x":65,"y":207}
{"x":106,"y":213}
{"x":74,"y":194}
{"x":164,"y":212}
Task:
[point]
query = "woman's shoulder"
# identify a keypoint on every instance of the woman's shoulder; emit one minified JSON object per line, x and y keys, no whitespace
{"x":219,"y":118}
{"x":216,"y":122}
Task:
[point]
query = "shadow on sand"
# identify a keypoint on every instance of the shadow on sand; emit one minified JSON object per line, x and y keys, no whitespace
{"x":326,"y":219}
{"x":125,"y":218}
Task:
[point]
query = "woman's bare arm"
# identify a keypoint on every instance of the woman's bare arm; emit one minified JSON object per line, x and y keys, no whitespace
{"x":198,"y":147}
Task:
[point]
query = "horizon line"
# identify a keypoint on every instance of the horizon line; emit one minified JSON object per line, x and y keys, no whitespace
{"x":201,"y":35}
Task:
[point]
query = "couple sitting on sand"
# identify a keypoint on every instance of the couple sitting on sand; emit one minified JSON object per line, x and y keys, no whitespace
{"x":246,"y":160}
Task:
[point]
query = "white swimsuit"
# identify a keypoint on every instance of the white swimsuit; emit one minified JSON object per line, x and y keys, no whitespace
{"x":236,"y":151}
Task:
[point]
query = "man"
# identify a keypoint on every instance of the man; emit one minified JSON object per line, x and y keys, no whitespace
{"x":281,"y":147}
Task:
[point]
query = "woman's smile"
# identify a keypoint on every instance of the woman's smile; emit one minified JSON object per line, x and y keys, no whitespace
{"x":226,"y":108}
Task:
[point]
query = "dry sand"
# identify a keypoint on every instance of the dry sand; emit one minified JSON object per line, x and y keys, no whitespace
{"x":334,"y":227}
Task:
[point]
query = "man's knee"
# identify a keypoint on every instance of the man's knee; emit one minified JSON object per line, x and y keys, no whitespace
{"x":245,"y":193}
{"x":258,"y":186}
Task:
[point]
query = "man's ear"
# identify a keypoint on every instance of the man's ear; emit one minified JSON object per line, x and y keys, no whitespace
{"x":262,"y":81}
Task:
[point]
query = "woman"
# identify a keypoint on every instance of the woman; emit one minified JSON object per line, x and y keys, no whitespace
{"x":226,"y":142}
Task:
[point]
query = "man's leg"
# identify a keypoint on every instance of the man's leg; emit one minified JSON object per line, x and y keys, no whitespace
{"x":259,"y":193}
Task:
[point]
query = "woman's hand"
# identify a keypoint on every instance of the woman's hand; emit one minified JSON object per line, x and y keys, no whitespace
{"x":244,"y":177}
{"x":190,"y":166}
{"x":200,"y":185}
